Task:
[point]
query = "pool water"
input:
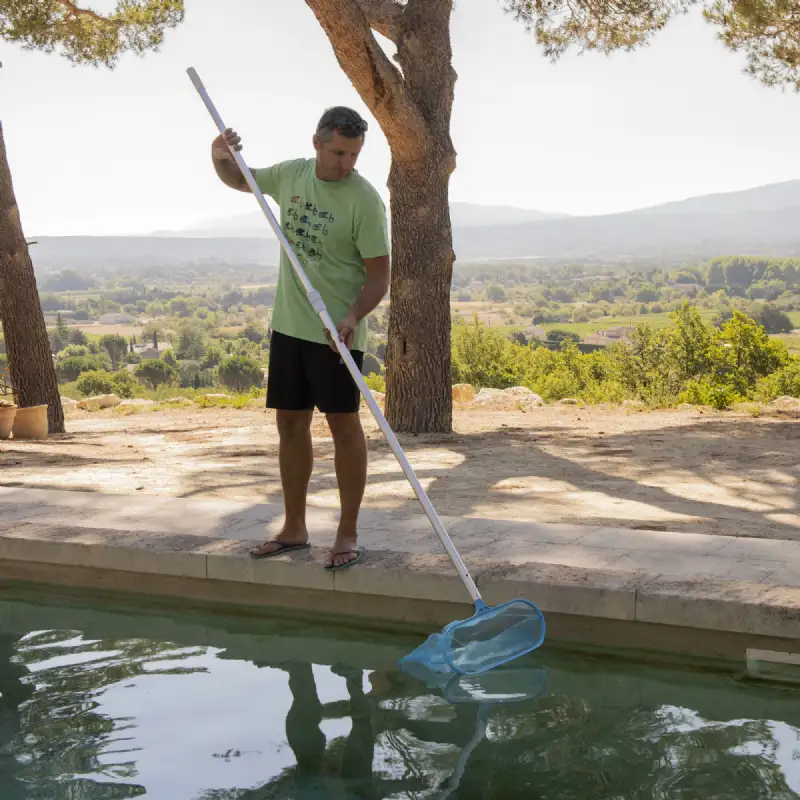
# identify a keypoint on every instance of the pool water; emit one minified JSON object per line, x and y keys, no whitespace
{"x":105,"y":701}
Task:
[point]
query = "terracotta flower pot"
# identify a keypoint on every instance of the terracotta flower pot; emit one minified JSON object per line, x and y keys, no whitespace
{"x":31,"y":423}
{"x":7,"y":414}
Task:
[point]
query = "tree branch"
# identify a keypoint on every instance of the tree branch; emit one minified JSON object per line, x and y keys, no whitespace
{"x":377,"y":81}
{"x":74,"y":11}
{"x":384,"y":16}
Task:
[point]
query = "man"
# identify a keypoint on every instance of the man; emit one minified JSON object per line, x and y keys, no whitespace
{"x":335,"y":222}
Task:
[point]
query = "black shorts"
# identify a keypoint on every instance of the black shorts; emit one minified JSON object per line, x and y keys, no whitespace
{"x":306,"y":374}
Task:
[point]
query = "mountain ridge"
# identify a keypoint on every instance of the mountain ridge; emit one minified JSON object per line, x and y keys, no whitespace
{"x":253,"y":223}
{"x":764,"y":220}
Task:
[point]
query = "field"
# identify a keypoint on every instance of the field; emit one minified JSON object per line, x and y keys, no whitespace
{"x":603,"y":323}
{"x":792,"y":341}
{"x":500,"y":315}
{"x":488,"y":313}
{"x":93,"y":331}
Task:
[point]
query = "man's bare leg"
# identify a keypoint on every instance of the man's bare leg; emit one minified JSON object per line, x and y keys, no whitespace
{"x":350,"y":461}
{"x":296,"y":458}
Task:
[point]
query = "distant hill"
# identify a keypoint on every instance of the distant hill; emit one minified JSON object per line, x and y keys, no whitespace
{"x":463,"y":215}
{"x":768,"y":233}
{"x":764,"y":220}
{"x":772,"y":197}
{"x":107,"y":253}
{"x":254,"y":223}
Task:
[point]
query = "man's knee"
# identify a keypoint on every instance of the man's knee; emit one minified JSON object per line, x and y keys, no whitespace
{"x":293,"y":424}
{"x":345,"y":428}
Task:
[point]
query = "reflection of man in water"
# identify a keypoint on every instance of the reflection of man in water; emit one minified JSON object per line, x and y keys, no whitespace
{"x":308,"y":741}
{"x":326,"y":771}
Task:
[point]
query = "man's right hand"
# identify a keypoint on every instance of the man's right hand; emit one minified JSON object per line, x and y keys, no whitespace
{"x":225,"y":164}
{"x":220,"y":145}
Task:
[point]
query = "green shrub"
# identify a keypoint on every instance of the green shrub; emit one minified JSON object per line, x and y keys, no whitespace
{"x":155,"y":372}
{"x":240,"y":373}
{"x":483,"y":357}
{"x":73,"y":350}
{"x":125,"y":385}
{"x":785,"y":381}
{"x":375,"y":382}
{"x":557,"y":385}
{"x":70,"y":367}
{"x":94,"y":383}
{"x":689,"y":361}
{"x":604,"y":391}
{"x":722,"y":396}
{"x":709,"y":391}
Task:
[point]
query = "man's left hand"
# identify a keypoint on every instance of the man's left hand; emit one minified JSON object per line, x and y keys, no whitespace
{"x":347,"y":331}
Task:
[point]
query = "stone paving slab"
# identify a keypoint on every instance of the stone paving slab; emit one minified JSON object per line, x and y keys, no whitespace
{"x":702,"y":581}
{"x":684,"y":555}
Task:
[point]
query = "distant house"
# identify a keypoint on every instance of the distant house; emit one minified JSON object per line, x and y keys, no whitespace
{"x":146,"y":351}
{"x":608,"y":336}
{"x":116,"y":319}
{"x":536,"y":332}
{"x":616,"y":333}
{"x":686,"y":288}
{"x":596,"y":338}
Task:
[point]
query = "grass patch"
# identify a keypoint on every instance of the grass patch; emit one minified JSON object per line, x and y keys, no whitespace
{"x":233,"y":401}
{"x":655,"y":321}
{"x":791,"y":340}
{"x":166,"y":397}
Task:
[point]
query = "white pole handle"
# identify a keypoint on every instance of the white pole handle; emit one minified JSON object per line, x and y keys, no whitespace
{"x":319,"y":306}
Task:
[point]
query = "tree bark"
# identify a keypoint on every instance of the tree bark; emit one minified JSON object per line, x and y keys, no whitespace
{"x":413,"y":108}
{"x":418,"y":386}
{"x":30,"y":361}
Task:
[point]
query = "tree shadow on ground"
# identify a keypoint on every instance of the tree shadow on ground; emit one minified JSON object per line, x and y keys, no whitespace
{"x":735,"y":477}
{"x":765,"y":456}
{"x":36,"y":459}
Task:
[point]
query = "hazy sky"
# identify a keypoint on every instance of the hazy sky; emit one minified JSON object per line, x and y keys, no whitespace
{"x":95,"y":151}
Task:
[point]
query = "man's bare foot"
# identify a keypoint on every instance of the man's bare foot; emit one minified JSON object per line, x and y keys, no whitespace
{"x":287,"y":539}
{"x":344,"y":550}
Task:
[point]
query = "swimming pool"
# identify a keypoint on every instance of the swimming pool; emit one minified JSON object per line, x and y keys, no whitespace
{"x":116,"y":701}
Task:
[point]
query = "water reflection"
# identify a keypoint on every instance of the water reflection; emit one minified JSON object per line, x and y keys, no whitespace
{"x":116,"y":704}
{"x":353,"y":767}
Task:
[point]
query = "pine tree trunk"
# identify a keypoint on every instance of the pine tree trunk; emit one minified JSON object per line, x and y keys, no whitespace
{"x":418,"y":391}
{"x":30,"y":361}
{"x":413,"y":105}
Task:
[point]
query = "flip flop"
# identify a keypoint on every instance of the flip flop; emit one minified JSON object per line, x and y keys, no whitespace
{"x":359,"y":557}
{"x":282,"y":548}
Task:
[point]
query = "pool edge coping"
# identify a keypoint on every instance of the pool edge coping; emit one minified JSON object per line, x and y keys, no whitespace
{"x":411,"y":581}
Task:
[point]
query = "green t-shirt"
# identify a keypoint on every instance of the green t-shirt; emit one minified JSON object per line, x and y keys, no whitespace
{"x":331,"y":226}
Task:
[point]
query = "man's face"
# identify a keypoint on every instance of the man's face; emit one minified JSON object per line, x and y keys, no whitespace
{"x":337,"y":158}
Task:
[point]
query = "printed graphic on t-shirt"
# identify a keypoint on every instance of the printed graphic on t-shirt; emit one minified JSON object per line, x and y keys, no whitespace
{"x":306,"y":228}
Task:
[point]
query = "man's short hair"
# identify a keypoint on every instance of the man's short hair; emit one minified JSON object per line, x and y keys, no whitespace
{"x":344,"y":121}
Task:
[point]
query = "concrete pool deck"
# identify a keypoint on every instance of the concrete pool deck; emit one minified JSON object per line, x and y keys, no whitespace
{"x":197,"y":548}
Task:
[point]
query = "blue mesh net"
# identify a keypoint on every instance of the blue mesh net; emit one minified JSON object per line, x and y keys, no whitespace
{"x":491,"y":637}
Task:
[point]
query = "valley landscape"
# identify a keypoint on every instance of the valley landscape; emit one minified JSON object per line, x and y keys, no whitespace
{"x":592,"y":364}
{"x":673,"y":328}
{"x":760,"y":221}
